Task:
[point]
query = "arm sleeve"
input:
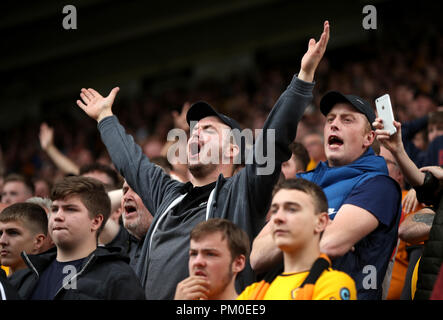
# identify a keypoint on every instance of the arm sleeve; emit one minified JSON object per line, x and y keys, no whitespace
{"x":148,"y":180}
{"x":278,"y":132}
{"x":378,"y":195}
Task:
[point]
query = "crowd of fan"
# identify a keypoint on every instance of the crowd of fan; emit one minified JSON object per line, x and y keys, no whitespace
{"x":46,"y":154}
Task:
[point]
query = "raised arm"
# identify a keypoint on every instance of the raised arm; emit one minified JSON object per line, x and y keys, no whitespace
{"x":283,"y":120}
{"x":95,"y":105}
{"x":394,"y":144}
{"x":46,"y":136}
{"x":313,"y":55}
{"x":147,"y":179}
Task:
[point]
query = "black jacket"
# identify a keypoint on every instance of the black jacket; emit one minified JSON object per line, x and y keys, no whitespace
{"x":104,"y":275}
{"x":7,"y":292}
{"x":432,"y":256}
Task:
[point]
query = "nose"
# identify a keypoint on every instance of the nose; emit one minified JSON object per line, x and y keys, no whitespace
{"x":278,"y":217}
{"x":57,"y":215}
{"x":199,"y":261}
{"x":3,"y":239}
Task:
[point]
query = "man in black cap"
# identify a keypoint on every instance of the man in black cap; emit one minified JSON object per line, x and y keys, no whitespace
{"x":213,"y":192}
{"x":364,"y":202}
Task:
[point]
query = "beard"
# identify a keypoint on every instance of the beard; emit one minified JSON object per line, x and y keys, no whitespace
{"x":200,"y":170}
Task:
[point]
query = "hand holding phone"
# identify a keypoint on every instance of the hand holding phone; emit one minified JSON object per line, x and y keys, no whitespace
{"x":384,"y":110}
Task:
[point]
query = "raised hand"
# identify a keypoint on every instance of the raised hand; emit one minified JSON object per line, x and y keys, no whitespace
{"x":95,"y":105}
{"x":180,"y":118}
{"x":315,"y":53}
{"x":192,"y":288}
{"x":391,"y":142}
{"x":46,"y":136}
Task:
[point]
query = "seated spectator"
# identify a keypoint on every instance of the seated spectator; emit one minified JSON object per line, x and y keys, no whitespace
{"x":217,"y":253}
{"x":298,"y":161}
{"x":77,"y":268}
{"x":364,"y":202}
{"x":16,"y":188}
{"x":299,"y":217}
{"x":23,"y":228}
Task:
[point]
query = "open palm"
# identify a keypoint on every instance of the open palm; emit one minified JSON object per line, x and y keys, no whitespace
{"x":315,"y":52}
{"x":95,"y":105}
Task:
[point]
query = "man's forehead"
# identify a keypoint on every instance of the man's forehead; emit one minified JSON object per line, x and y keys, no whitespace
{"x":290,"y":196}
{"x":15,"y":184}
{"x":11,"y":224}
{"x":209,"y":240}
{"x":210,"y":120}
{"x":344,"y":107}
{"x":73,"y":199}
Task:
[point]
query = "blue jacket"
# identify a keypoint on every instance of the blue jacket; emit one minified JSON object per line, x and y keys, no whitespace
{"x":368,"y":262}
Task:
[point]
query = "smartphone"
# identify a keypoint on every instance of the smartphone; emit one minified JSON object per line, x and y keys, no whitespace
{"x":384,"y":110}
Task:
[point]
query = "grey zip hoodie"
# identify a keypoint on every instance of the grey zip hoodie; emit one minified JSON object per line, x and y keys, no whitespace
{"x":244,"y":198}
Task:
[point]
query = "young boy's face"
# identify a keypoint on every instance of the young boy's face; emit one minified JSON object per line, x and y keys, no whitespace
{"x":70,"y":224}
{"x":15,"y":237}
{"x":294,"y":219}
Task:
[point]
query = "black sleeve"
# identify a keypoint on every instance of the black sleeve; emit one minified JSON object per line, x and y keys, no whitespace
{"x":427,"y":192}
{"x":7,"y":291}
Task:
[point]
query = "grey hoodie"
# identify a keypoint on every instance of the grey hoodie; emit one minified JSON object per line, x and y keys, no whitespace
{"x":244,"y":198}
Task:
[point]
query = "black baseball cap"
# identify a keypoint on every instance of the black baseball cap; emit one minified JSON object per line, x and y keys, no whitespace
{"x":202,"y":109}
{"x":331,"y":98}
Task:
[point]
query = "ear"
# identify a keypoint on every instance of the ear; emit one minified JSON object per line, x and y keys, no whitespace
{"x":96,"y":222}
{"x":369,"y":138}
{"x":39,"y":241}
{"x":231,"y":152}
{"x":238,"y":264}
{"x":322,"y":222}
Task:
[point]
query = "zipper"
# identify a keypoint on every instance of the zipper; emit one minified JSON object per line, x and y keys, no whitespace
{"x":77,"y":274}
{"x":29,"y":263}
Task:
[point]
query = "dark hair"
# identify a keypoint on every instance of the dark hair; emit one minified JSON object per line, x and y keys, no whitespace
{"x":436,"y":118}
{"x":301,"y":154}
{"x":33,"y":215}
{"x":316,"y":192}
{"x":19,"y":178}
{"x":91,"y":192}
{"x":238,"y":240}
{"x":117,"y":181}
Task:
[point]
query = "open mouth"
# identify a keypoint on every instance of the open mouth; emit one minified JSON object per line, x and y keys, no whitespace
{"x":334,"y":141}
{"x":194,"y":148}
{"x":129,"y":208}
